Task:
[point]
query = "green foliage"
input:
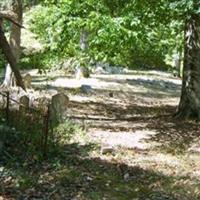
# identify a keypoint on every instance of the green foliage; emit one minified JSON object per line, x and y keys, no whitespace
{"x":128,"y":33}
{"x":21,"y":143}
{"x":66,"y":131}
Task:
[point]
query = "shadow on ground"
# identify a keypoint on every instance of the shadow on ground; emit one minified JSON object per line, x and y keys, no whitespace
{"x":72,"y":174}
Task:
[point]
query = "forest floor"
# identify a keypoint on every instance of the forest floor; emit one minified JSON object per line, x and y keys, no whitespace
{"x":132,"y":148}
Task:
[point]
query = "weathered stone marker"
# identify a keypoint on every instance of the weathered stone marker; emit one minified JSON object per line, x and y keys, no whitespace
{"x":23,"y":108}
{"x":27,"y":81}
{"x":24,"y":104}
{"x":58,"y":107}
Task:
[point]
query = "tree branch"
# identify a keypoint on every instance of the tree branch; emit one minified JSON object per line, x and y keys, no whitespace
{"x":11,"y":16}
{"x":4,"y":45}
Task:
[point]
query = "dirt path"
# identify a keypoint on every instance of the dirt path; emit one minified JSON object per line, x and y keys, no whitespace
{"x":118,"y":109}
{"x":133,"y":149}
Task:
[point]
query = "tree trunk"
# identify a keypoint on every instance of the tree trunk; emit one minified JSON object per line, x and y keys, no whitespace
{"x":177,"y":64}
{"x":189,"y":106}
{"x":15,"y":40}
{"x":10,"y":58}
{"x":84,"y":40}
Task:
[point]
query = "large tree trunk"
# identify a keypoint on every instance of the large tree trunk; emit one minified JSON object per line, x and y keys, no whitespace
{"x":15,"y":40}
{"x":4,"y":45}
{"x":189,"y":106}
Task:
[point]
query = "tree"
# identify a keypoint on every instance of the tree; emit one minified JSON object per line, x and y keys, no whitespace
{"x":187,"y":12}
{"x":15,"y":38}
{"x":11,"y":54}
{"x":189,"y":106}
{"x":122,"y":31}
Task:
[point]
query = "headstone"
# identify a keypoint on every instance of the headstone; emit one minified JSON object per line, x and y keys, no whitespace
{"x":59,"y":103}
{"x":23,"y":108}
{"x":24,"y":104}
{"x":27,"y":81}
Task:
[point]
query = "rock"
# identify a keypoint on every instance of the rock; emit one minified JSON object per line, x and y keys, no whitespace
{"x":105,"y":68}
{"x":107,"y":149}
{"x":99,"y":70}
{"x":86,"y":89}
{"x":58,"y":107}
{"x":111,"y":94}
{"x":126,"y":176}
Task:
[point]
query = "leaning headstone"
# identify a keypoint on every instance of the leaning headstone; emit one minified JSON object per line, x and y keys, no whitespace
{"x":59,"y":103}
{"x":27,"y":81}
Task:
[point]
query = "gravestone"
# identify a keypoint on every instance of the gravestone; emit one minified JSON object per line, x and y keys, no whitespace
{"x":21,"y":120}
{"x":24,"y":104}
{"x":27,"y":81}
{"x":58,"y":107}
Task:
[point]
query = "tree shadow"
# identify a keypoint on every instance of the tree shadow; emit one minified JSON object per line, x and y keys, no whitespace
{"x":147,"y":83}
{"x":175,"y":136}
{"x":113,"y":111}
{"x":70,"y":173}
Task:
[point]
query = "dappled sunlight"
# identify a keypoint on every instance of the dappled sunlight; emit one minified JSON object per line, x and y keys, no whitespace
{"x":149,"y":154}
{"x":75,"y":83}
{"x":124,"y":139}
{"x":72,"y":174}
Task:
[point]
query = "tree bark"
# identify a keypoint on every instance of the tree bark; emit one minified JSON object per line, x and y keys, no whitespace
{"x":4,"y":45}
{"x":189,"y":105}
{"x":15,"y":39}
{"x":84,"y":40}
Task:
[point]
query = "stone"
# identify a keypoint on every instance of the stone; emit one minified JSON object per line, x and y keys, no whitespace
{"x":58,"y":107}
{"x":126,"y":176}
{"x":99,"y":70}
{"x":27,"y":81}
{"x":82,"y":72}
{"x":24,"y":103}
{"x":111,"y":94}
{"x":86,"y":89}
{"x":107,"y":149}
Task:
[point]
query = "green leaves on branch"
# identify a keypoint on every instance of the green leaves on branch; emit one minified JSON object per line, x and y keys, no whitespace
{"x":121,"y":32}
